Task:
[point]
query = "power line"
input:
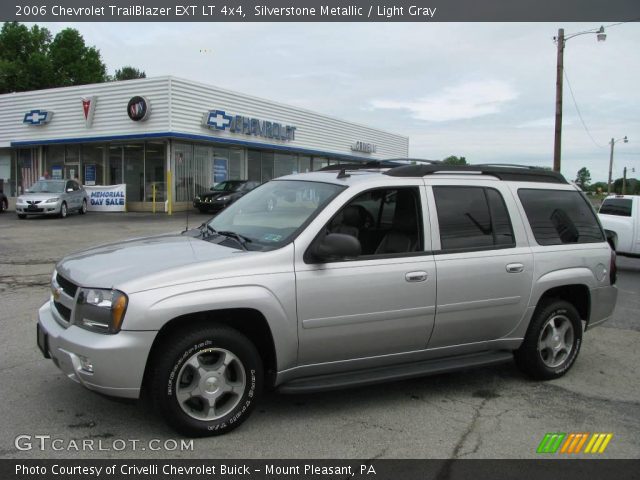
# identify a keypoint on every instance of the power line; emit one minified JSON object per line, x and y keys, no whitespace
{"x":586,"y":129}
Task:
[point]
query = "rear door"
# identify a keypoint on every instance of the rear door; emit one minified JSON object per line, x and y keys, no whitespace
{"x":483,"y":261}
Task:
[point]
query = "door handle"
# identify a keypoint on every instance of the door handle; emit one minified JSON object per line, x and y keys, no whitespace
{"x":416,"y":276}
{"x":515,"y":268}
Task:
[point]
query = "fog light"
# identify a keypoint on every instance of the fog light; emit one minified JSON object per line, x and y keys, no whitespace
{"x":86,"y":364}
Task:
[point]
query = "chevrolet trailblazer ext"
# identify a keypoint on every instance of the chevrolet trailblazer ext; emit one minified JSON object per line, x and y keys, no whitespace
{"x":332,"y":279}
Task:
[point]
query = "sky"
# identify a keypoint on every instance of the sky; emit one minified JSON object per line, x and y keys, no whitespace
{"x":485,"y":91}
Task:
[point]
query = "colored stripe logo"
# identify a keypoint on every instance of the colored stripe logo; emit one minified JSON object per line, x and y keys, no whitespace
{"x":573,"y":443}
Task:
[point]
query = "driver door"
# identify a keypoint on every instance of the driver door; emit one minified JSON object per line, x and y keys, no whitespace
{"x":382,"y":302}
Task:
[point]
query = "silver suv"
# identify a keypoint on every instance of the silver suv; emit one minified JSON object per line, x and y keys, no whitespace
{"x":334,"y":279}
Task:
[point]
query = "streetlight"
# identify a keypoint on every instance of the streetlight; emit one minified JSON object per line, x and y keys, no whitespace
{"x":561,"y":40}
{"x":612,"y":143}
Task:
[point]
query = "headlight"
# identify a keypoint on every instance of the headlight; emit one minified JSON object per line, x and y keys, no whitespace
{"x":52,"y":200}
{"x":100,"y":310}
{"x":20,"y":200}
{"x":223,"y":199}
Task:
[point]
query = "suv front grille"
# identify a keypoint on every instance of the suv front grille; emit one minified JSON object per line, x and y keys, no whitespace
{"x":62,"y":310}
{"x":68,"y":287}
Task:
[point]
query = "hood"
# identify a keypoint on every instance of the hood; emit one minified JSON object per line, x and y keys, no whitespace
{"x":40,"y":196}
{"x":109,"y":266}
{"x":211,"y":194}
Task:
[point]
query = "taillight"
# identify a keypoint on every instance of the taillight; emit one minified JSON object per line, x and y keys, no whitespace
{"x":613,"y":270}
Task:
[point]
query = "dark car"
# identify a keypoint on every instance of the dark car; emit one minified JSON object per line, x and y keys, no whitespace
{"x":223,"y":194}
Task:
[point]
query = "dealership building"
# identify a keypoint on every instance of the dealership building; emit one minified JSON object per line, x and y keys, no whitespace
{"x":168,"y":139}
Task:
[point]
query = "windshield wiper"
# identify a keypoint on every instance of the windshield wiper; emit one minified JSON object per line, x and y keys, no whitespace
{"x":241,"y":239}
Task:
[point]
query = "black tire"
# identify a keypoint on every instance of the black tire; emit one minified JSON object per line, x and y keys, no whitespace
{"x":83,"y":208}
{"x":533,"y":358}
{"x":4,"y":205}
{"x":22,"y":216}
{"x":63,"y":210}
{"x":169,"y":368}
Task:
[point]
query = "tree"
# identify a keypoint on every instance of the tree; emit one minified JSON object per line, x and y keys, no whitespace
{"x":24,"y":63}
{"x":583,"y":178}
{"x":30,"y":59}
{"x":128,"y":73}
{"x":453,"y":160}
{"x":73,"y":62}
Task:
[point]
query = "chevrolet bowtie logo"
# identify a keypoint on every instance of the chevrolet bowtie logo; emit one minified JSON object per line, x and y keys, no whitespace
{"x":218,"y":119}
{"x":56,"y":293}
{"x":37,"y":117}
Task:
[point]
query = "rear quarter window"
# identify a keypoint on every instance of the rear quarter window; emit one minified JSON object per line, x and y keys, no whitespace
{"x":559,"y":217}
{"x":616,"y":206}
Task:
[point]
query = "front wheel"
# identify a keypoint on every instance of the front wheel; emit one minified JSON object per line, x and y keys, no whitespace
{"x":63,"y":210}
{"x":4,"y":205}
{"x":553,"y":341}
{"x":207,"y":381}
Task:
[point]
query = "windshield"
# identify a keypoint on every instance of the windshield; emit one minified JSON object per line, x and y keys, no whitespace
{"x":226,"y":186}
{"x":47,"y":186}
{"x":271,"y":215}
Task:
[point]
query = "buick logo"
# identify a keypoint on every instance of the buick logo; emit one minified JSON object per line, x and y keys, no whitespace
{"x":138,"y":109}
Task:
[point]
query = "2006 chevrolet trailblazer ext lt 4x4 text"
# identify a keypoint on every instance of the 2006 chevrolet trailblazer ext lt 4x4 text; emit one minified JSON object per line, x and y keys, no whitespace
{"x":332,"y":279}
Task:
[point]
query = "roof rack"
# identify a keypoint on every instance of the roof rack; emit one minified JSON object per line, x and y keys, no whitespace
{"x":517,"y":173}
{"x":360,"y":165}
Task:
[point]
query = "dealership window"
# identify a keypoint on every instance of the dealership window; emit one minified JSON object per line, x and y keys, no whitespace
{"x":203,"y":170}
{"x":254,"y":167}
{"x":92,"y":164}
{"x":320,"y":162}
{"x":54,"y":161}
{"x":72,"y":154}
{"x":133,"y":155}
{"x":183,"y":160}
{"x":7,"y":172}
{"x":154,"y":171}
{"x":267,"y":166}
{"x":114,"y":176}
{"x":304,"y":163}
{"x":285,"y":164}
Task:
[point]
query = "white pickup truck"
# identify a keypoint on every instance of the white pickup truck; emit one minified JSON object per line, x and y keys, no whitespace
{"x":621,"y":214}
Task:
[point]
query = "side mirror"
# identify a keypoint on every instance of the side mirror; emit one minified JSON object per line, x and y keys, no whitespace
{"x":612,"y":239}
{"x":69,"y":190}
{"x":336,"y":246}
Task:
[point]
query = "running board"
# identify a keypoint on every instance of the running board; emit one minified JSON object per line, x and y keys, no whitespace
{"x":402,"y":371}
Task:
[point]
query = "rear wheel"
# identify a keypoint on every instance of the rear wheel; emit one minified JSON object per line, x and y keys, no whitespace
{"x":63,"y":210}
{"x":3,"y":205}
{"x":83,"y":208}
{"x":21,"y":216}
{"x":553,"y":341}
{"x":207,"y":381}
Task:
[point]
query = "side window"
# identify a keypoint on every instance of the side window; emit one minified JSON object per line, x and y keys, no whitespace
{"x":385,"y":221}
{"x":69,"y":185}
{"x":559,"y":217}
{"x":76,"y":186}
{"x":472,"y":218}
{"x":616,"y":206}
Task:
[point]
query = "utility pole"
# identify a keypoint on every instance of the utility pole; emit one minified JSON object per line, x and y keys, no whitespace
{"x":612,"y":143}
{"x":557,"y":143}
{"x":624,"y":181}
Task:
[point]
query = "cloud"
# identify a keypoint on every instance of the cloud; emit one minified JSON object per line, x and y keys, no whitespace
{"x":459,"y":102}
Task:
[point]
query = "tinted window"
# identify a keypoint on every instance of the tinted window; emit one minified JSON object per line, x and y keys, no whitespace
{"x":558,"y":217}
{"x":386,"y":221}
{"x":617,"y":206}
{"x":471,"y":218}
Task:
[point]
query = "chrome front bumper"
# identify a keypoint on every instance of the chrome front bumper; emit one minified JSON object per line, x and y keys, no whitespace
{"x":118,"y":360}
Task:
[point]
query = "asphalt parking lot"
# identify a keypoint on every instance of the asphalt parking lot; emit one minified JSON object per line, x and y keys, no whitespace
{"x":483,"y":413}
